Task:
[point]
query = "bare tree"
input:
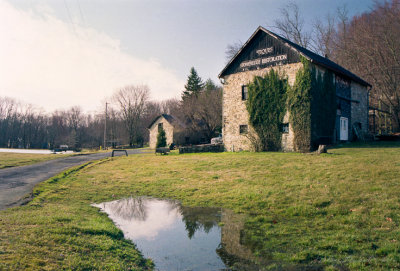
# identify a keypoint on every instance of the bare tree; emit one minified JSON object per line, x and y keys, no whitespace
{"x":232,"y":49}
{"x":74,"y":118}
{"x":369,"y":46}
{"x":204,"y":113}
{"x":292,"y":27}
{"x":171,"y":107}
{"x":325,"y":32}
{"x":132,"y":101}
{"x":209,"y":112}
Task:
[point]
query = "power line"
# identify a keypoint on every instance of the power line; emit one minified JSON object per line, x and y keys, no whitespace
{"x":81,"y":13}
{"x":70,"y":18}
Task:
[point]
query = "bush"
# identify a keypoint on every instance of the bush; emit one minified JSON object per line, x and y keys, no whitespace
{"x":161,"y":138}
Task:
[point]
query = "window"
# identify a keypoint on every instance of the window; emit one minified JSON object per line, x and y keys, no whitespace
{"x":285,"y":128}
{"x":160,"y":126}
{"x":244,"y":93}
{"x":243,"y":129}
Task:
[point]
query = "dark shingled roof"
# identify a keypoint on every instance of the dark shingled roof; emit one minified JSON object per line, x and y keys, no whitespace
{"x":313,"y":57}
{"x":173,"y":121}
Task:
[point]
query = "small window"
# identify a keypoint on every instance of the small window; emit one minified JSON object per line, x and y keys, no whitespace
{"x":285,"y":128}
{"x":160,"y":126}
{"x":243,"y":129}
{"x":244,"y":93}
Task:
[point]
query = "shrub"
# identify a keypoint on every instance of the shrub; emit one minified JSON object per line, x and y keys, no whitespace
{"x":161,"y":138}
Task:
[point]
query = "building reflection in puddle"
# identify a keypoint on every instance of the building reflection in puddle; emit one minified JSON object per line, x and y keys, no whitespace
{"x":176,"y":237}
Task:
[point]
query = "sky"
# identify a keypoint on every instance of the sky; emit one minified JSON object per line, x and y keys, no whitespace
{"x":55,"y":54}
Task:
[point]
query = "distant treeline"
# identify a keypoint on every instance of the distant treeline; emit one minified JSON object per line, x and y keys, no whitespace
{"x":128,"y":116}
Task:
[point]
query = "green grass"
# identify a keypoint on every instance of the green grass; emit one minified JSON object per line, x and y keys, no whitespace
{"x":339,"y":210}
{"x":22,"y":159}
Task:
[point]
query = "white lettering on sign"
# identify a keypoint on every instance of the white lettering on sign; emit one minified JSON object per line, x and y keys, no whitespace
{"x":260,"y":61}
{"x":273,"y":59}
{"x":265,"y":51}
{"x":250,"y":63}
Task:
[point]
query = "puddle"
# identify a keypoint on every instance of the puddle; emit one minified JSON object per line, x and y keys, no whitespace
{"x":176,"y":237}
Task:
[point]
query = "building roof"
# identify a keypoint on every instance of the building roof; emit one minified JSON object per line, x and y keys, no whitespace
{"x":173,"y":121}
{"x":311,"y":56}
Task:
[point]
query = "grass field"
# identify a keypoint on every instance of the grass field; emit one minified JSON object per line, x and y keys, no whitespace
{"x":8,"y":159}
{"x":335,"y":211}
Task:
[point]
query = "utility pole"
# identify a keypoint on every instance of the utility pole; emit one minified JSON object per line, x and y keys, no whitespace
{"x":105,"y":129}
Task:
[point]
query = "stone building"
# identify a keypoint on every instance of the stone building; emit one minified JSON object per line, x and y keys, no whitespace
{"x":266,"y":50}
{"x":174,"y":130}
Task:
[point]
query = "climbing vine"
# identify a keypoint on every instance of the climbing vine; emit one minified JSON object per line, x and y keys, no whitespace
{"x":311,"y":103}
{"x":299,"y":105}
{"x":266,"y":105}
{"x":312,"y":107}
{"x":323,"y":107}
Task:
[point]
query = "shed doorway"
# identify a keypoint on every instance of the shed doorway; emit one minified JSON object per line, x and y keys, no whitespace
{"x":344,"y":128}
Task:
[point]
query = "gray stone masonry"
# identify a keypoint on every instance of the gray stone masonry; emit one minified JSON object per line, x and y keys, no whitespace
{"x":235,"y":112}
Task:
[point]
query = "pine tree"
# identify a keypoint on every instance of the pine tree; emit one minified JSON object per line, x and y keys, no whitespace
{"x":210,"y":85}
{"x":161,"y":138}
{"x":194,"y":84}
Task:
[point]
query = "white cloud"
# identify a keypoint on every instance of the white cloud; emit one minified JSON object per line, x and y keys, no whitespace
{"x":54,"y":64}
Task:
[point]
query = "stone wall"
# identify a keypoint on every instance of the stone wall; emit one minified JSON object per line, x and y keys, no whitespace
{"x":359,"y":111}
{"x":234,"y":112}
{"x":288,"y":139}
{"x":169,"y":132}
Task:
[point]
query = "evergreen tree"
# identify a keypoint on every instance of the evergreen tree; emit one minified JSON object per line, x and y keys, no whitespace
{"x":210,"y":85}
{"x":194,"y":84}
{"x":161,"y":138}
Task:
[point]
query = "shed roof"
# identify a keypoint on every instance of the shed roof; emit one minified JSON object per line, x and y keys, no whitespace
{"x":173,"y":121}
{"x":311,"y":56}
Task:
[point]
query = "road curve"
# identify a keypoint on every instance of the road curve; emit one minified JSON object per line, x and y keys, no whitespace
{"x":17,"y":182}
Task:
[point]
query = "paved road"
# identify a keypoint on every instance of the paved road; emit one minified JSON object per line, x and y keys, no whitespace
{"x":17,"y":182}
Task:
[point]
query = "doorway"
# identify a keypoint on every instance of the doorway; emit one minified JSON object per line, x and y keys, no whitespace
{"x":344,"y":128}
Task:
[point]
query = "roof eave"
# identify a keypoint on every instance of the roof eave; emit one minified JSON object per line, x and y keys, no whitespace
{"x":260,"y":28}
{"x":221,"y":74}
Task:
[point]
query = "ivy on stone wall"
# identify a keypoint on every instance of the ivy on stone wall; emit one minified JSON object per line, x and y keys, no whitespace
{"x":299,"y":105}
{"x":312,"y":107}
{"x":266,"y":105}
{"x":311,"y":103}
{"x":323,"y":108}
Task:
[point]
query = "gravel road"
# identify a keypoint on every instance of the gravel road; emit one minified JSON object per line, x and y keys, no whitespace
{"x":17,"y":182}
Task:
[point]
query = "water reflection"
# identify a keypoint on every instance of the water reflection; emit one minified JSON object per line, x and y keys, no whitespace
{"x":182,"y":238}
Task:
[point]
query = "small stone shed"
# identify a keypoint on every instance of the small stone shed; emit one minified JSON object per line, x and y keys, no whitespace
{"x":174,"y":130}
{"x":266,"y":50}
